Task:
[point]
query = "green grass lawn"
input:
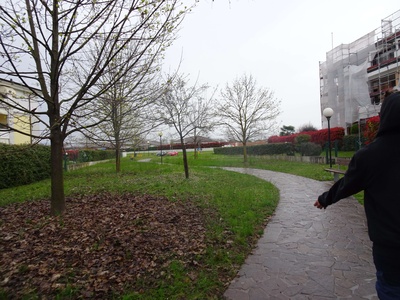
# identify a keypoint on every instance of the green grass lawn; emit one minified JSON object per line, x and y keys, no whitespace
{"x":242,"y":204}
{"x":314,"y":171}
{"x":309,"y":170}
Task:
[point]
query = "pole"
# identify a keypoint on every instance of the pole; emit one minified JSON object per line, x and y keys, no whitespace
{"x":161,"y":152}
{"x":329,"y":142}
{"x":66,"y":161}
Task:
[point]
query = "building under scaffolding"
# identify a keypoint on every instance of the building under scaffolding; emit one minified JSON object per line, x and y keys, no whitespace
{"x":355,"y":77}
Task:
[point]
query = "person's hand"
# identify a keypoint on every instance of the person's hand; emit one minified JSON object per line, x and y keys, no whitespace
{"x":318,"y":205}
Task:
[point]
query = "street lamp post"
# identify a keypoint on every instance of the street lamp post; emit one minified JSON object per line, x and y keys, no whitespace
{"x":328,"y":112}
{"x":161,"y":152}
{"x":148,"y":147}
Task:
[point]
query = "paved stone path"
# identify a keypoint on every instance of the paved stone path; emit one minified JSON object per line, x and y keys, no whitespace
{"x":307,"y":253}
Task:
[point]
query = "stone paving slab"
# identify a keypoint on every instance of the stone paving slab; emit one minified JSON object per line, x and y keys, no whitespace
{"x":307,"y":253}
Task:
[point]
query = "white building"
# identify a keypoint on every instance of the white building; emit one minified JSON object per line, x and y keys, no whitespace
{"x":16,"y":123}
{"x":355,"y":76}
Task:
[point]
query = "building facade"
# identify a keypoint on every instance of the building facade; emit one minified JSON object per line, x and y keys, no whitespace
{"x":355,"y":77}
{"x":17,"y":125}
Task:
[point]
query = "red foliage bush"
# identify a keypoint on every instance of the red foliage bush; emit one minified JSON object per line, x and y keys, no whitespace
{"x":282,"y":139}
{"x":371,"y":129}
{"x":319,"y":137}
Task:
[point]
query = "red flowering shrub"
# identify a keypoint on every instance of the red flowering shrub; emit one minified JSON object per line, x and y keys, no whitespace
{"x":371,"y":129}
{"x":319,"y":137}
{"x":282,"y":139}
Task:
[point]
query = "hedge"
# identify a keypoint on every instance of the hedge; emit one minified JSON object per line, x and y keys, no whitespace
{"x":319,"y":137}
{"x":23,"y":164}
{"x":266,"y":149}
{"x":89,"y":155}
{"x":351,"y":142}
{"x":309,"y":149}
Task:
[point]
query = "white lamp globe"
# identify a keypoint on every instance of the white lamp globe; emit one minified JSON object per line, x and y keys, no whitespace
{"x":328,"y":112}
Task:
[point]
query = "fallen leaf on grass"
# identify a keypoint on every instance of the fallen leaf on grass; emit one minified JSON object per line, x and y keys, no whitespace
{"x":99,"y":247}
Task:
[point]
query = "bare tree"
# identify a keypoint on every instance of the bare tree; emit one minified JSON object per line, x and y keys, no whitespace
{"x":185,"y":109}
{"x":203,"y":118}
{"x":47,"y":45}
{"x":125,"y":107}
{"x":247,"y":111}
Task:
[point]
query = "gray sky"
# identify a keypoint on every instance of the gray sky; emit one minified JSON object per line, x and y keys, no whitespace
{"x":279,"y":42}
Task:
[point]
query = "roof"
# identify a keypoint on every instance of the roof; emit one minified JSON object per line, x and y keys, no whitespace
{"x":19,"y":86}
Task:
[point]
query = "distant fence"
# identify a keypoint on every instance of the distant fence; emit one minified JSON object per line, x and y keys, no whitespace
{"x":71,"y":167}
{"x":308,"y":159}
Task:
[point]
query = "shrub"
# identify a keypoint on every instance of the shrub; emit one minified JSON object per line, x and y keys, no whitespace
{"x":282,"y":139}
{"x":23,"y":164}
{"x":266,"y":149}
{"x":351,"y":142}
{"x":371,"y":129}
{"x":354,"y":129}
{"x":302,"y":138}
{"x":84,"y":156}
{"x":319,"y":137}
{"x":96,"y":155}
{"x":309,"y":149}
{"x":89,"y":155}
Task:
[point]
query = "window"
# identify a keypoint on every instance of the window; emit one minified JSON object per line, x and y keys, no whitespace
{"x":3,"y":119}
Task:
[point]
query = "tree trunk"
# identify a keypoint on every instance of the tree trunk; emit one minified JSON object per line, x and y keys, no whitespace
{"x":185,"y":162}
{"x":196,"y":155}
{"x":245,"y":153}
{"x":195,"y":144}
{"x":117,"y":157}
{"x":57,"y":205}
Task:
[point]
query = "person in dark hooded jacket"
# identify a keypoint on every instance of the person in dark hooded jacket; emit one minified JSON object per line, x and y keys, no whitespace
{"x":375,"y":169}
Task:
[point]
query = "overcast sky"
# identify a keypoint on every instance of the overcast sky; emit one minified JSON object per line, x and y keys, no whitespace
{"x":279,"y":42}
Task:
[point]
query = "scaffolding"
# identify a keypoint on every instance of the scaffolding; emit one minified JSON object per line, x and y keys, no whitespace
{"x":355,"y":77}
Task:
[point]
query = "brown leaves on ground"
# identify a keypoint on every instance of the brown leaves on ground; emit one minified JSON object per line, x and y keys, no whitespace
{"x":102,"y":245}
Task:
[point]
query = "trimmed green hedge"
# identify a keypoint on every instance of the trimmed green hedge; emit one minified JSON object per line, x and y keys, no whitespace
{"x":309,"y":149}
{"x":23,"y":164}
{"x":95,"y":155}
{"x":267,"y":149}
{"x":79,"y":156}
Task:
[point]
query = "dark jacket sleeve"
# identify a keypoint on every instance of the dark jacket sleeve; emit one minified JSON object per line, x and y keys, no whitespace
{"x":352,"y":183}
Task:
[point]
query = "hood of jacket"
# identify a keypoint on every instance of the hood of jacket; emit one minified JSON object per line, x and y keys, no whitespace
{"x":390,"y":115}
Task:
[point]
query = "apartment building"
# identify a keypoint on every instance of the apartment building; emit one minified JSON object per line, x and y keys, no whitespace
{"x":16,"y":123}
{"x":355,"y":76}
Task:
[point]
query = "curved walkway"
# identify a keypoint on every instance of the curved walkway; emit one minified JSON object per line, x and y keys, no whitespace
{"x":307,"y":253}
